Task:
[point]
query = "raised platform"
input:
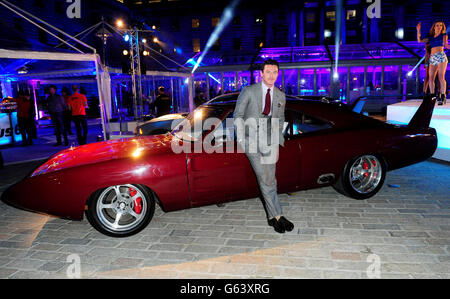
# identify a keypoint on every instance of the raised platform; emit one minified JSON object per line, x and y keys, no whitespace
{"x":401,"y":113}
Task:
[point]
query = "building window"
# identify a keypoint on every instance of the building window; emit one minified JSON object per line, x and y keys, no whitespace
{"x":411,"y":10}
{"x":196,"y":45}
{"x":59,"y":8}
{"x":237,"y":45}
{"x":39,"y":3}
{"x":195,"y":23}
{"x":216,"y":46}
{"x":436,"y":7}
{"x":331,"y":15}
{"x":310,"y":17}
{"x":259,"y":42}
{"x":259,"y":20}
{"x":310,"y":35}
{"x":215,"y":21}
{"x":237,"y":20}
{"x":351,"y":14}
{"x":175,"y":24}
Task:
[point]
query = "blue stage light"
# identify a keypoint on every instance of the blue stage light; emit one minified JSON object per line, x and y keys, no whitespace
{"x":227,"y":16}
{"x":212,"y":77}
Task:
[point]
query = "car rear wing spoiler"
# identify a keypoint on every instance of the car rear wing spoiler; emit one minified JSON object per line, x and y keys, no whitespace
{"x":422,"y":118}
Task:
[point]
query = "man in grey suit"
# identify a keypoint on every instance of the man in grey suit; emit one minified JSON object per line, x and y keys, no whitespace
{"x":259,"y":123}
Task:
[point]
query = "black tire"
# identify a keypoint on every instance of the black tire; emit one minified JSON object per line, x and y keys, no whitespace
{"x":344,"y":183}
{"x":100,"y":218}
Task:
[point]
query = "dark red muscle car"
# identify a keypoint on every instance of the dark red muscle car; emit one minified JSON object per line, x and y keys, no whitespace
{"x":117,"y":183}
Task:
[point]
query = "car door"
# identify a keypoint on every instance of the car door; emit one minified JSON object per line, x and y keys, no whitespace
{"x":288,"y":164}
{"x":224,"y":174}
{"x":311,"y":148}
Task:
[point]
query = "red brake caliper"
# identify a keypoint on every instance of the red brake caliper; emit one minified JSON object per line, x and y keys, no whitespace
{"x":374,"y":163}
{"x":137,"y":201}
{"x":365,"y":167}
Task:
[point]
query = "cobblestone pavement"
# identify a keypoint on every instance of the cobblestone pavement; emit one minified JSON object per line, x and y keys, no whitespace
{"x":405,"y":229}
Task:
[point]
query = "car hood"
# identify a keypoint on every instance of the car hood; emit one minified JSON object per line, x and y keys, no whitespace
{"x":135,"y":147}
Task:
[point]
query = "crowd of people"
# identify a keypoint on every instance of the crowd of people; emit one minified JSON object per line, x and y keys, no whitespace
{"x":63,"y":109}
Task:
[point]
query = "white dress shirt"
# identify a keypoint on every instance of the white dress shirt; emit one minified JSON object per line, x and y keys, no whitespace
{"x":264,"y":92}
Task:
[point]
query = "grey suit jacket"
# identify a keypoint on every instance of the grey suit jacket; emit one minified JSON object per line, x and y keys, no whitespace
{"x":249,"y":105}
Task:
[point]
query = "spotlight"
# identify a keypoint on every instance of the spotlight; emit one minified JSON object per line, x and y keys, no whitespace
{"x":145,"y":53}
{"x":409,"y":74}
{"x":155,"y":39}
{"x":119,"y":23}
{"x":327,"y":33}
{"x":126,"y":37}
{"x":125,"y":52}
{"x":399,"y":33}
{"x":335,"y":76}
{"x":144,"y":40}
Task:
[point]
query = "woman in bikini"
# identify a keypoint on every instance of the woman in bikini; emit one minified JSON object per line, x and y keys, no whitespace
{"x":438,"y":40}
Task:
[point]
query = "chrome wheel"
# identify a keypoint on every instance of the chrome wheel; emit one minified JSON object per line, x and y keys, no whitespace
{"x":121,"y":208}
{"x":365,"y":174}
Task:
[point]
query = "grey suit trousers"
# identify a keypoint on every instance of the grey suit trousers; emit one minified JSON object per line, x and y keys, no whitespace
{"x":265,"y":175}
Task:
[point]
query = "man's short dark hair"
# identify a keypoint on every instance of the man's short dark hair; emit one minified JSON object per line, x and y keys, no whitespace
{"x":270,"y":62}
{"x":53,"y":86}
{"x":161,"y":89}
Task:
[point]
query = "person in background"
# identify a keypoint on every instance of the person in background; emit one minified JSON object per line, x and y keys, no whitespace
{"x":78,"y":104}
{"x":67,"y":114}
{"x":32,"y":116}
{"x":24,"y":117}
{"x":426,"y":82}
{"x":162,"y":103}
{"x":199,"y":99}
{"x":438,"y":40}
{"x":56,"y":107}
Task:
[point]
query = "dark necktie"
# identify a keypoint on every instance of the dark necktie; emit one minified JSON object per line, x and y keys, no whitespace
{"x":267,"y":105}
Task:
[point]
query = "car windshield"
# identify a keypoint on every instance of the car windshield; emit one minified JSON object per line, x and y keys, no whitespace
{"x":197,"y":122}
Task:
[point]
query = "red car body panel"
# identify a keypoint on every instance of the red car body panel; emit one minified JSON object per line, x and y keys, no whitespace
{"x":180,"y":181}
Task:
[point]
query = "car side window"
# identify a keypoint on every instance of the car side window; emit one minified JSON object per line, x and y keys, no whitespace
{"x":228,"y":126}
{"x":300,"y":123}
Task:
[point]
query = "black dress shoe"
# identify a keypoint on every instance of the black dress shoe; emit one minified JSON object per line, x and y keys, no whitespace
{"x":288,"y":226}
{"x":277,"y":225}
